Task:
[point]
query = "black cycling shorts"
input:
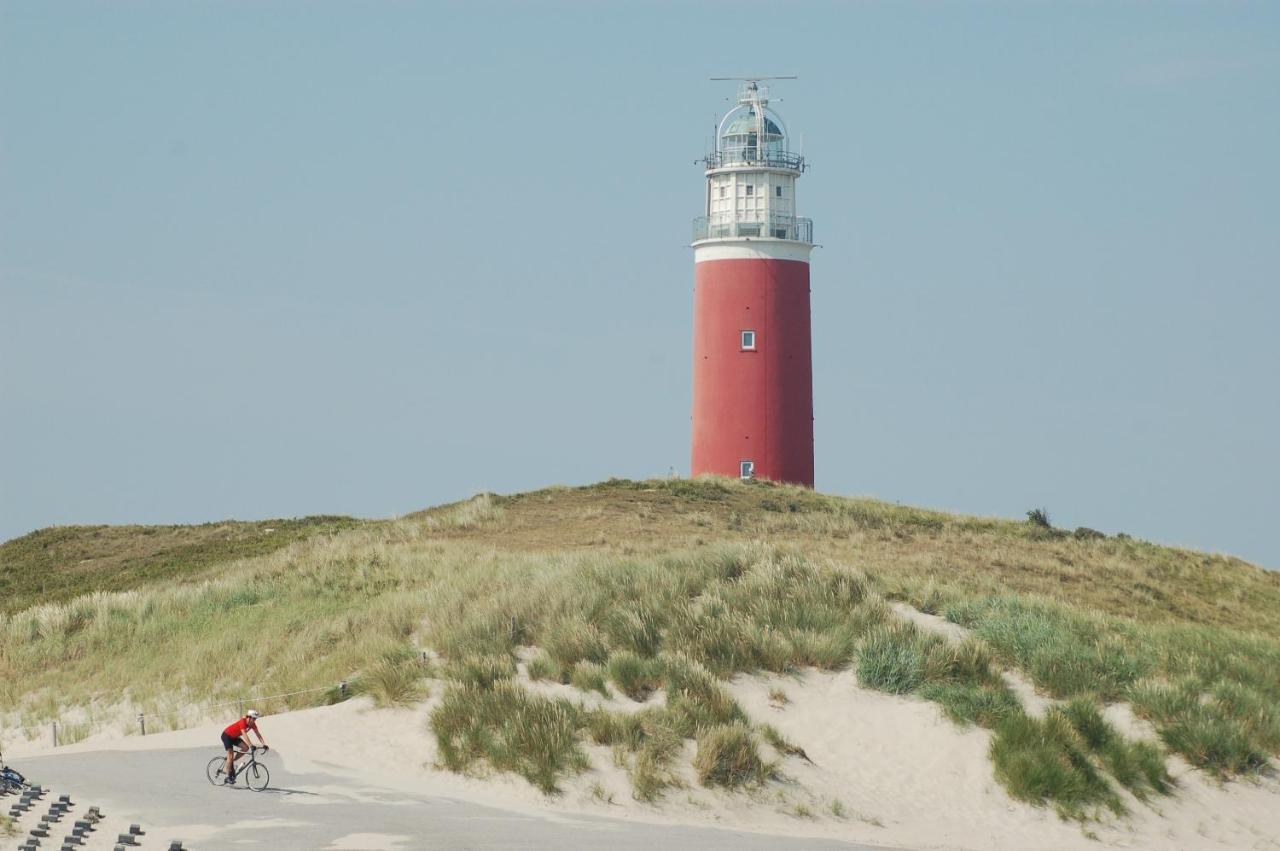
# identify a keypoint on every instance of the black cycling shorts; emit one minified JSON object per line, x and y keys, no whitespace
{"x":228,"y":743}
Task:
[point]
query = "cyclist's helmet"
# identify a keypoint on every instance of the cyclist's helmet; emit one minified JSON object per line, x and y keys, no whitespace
{"x":252,"y":713}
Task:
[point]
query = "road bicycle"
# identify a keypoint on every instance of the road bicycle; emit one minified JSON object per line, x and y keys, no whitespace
{"x":254,"y":773}
{"x":10,"y":780}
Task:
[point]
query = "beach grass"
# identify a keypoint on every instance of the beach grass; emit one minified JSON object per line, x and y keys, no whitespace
{"x":629,"y":590}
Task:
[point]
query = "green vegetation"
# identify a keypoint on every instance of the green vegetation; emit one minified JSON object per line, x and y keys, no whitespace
{"x":1211,"y":692}
{"x":1059,"y":759}
{"x":1137,"y":766}
{"x":1045,"y":761}
{"x":510,"y":729}
{"x":966,"y":703}
{"x":781,"y":743}
{"x":893,"y":657}
{"x":636,"y":676}
{"x":64,"y":562}
{"x":590,"y":676}
{"x":482,"y":671}
{"x":541,"y":667}
{"x":727,"y":756}
{"x":651,"y":595}
{"x":394,"y":680}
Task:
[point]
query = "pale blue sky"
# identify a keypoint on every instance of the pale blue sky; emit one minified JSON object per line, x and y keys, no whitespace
{"x":273,"y":259}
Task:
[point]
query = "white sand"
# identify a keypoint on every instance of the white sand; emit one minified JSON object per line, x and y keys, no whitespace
{"x":903,"y":775}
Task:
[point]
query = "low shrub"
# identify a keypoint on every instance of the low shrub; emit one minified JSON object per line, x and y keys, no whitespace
{"x":569,"y":641}
{"x":1039,"y":517}
{"x":651,"y":775}
{"x":727,"y":756}
{"x":1138,"y":766}
{"x":614,"y":728}
{"x":830,"y":650}
{"x":541,"y":667}
{"x":589,"y":676}
{"x":893,"y":657}
{"x":1046,"y":761}
{"x":781,"y":743}
{"x":635,"y":676}
{"x":695,"y":699}
{"x":1229,"y":730}
{"x":481,"y":671}
{"x":1261,"y":717}
{"x":511,"y":730}
{"x":963,"y":661}
{"x":636,"y":627}
{"x":982,"y":703}
{"x":1210,"y":740}
{"x":393,"y":680}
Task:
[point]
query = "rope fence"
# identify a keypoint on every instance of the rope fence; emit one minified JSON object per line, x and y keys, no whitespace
{"x":342,"y":688}
{"x":70,"y":733}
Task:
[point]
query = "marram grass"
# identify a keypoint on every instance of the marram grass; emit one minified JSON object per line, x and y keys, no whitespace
{"x":642,"y":589}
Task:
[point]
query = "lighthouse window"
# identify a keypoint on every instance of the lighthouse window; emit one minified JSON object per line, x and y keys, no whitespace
{"x":748,"y":341}
{"x":777,"y":190}
{"x":750,"y":189}
{"x":721,"y":191}
{"x":746,"y":469}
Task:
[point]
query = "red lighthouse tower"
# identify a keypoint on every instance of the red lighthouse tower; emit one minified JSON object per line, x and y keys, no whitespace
{"x":752,"y":354}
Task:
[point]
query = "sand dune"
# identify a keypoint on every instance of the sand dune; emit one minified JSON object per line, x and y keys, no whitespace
{"x":901,"y":773}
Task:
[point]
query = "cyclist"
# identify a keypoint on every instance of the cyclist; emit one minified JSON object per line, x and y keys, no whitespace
{"x":236,"y":740}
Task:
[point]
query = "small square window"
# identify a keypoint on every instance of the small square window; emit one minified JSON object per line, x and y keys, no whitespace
{"x":750,"y":189}
{"x":746,"y":469}
{"x":777,"y":190}
{"x":748,"y":341}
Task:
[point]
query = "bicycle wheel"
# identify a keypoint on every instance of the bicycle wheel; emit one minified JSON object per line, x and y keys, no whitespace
{"x":256,"y":776}
{"x":215,"y":771}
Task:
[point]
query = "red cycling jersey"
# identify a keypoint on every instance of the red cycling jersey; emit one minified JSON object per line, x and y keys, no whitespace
{"x":239,"y":728}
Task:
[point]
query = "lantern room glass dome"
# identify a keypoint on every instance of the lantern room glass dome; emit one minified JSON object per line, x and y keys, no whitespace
{"x":752,"y":133}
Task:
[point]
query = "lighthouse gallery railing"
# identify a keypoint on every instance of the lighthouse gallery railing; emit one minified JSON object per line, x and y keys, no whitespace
{"x":754,"y":156}
{"x":775,"y":227}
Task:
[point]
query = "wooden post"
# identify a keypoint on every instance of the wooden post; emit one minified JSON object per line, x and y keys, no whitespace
{"x":142,"y":724}
{"x":55,"y":734}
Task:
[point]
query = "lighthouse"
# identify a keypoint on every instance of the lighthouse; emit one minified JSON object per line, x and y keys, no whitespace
{"x":752,"y":350}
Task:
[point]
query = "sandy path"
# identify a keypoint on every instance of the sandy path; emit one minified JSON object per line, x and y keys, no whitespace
{"x":167,"y":793}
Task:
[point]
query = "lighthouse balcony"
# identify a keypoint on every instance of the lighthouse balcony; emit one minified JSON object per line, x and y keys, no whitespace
{"x":763,"y":227}
{"x":754,"y":157}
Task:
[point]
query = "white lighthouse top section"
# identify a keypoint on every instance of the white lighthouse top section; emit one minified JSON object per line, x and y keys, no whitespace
{"x":751,"y":183}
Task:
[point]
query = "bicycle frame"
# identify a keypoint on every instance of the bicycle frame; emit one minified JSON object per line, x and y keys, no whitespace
{"x":252,"y":753}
